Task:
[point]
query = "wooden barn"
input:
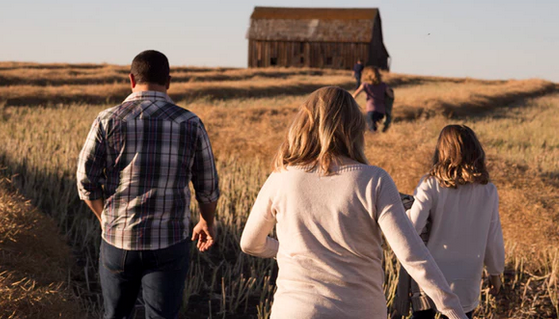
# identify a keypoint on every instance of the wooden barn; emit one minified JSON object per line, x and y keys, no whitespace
{"x":315,"y":37}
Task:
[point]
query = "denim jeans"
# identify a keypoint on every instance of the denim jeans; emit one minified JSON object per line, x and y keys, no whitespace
{"x":430,"y":314}
{"x":161,"y":274}
{"x":373,"y":118}
{"x":358,"y":81}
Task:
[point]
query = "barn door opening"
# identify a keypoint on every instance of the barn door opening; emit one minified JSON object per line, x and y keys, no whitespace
{"x":300,"y":56}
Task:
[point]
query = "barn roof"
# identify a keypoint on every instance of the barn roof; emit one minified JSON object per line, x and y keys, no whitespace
{"x":312,"y":24}
{"x":314,"y":13}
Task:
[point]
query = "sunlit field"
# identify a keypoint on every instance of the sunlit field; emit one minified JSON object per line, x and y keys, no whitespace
{"x":46,"y":112}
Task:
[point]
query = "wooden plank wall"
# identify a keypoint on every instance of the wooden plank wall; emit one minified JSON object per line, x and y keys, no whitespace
{"x":306,"y":54}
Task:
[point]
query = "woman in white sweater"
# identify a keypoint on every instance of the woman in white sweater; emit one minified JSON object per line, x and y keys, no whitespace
{"x":329,"y":208}
{"x":462,"y":208}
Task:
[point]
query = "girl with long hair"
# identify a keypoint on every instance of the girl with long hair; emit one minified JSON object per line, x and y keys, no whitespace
{"x":377,"y":92}
{"x":330,"y":208}
{"x":462,"y":207}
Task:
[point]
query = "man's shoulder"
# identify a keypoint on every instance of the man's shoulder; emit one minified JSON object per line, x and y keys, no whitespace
{"x":162,"y":109}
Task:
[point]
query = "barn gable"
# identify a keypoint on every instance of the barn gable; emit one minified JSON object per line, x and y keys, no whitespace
{"x":315,"y":37}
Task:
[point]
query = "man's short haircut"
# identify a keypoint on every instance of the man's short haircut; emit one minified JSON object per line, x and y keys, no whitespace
{"x":150,"y":66}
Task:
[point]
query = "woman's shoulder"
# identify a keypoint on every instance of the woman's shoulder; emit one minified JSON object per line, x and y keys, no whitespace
{"x":366,"y":171}
{"x":489,"y":187}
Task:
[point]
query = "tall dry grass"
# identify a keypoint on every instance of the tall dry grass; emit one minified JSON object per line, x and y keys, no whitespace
{"x":41,"y":144}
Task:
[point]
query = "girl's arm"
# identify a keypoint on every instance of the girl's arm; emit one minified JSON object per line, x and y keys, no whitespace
{"x":495,"y":249}
{"x":358,"y":91}
{"x":419,"y":212}
{"x":255,"y":240}
{"x":411,"y":252}
{"x":389,"y":92}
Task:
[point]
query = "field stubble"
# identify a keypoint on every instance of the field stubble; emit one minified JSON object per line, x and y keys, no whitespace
{"x":41,"y":144}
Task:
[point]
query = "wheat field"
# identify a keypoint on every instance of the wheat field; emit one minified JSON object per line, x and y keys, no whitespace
{"x":46,"y":111}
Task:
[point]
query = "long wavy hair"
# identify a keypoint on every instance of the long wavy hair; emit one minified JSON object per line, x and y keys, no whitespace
{"x":459,"y":158}
{"x":372,"y":75}
{"x":329,"y":124}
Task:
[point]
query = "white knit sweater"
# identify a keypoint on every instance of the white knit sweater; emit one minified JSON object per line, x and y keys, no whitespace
{"x":465,"y":233}
{"x":329,"y":251}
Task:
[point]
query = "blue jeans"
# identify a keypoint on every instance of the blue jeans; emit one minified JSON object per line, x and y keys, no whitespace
{"x":160,"y":273}
{"x":430,"y":314}
{"x":373,"y":118}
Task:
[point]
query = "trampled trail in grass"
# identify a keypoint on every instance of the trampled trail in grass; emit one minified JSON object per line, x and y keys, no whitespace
{"x":515,"y":121}
{"x":34,"y":263}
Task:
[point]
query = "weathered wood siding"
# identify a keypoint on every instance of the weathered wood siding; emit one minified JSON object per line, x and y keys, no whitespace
{"x":315,"y":37}
{"x":306,"y":54}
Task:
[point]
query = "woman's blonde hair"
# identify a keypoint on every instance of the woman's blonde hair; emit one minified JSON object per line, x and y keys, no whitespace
{"x":372,"y":75}
{"x":328,"y":125}
{"x":459,"y":158}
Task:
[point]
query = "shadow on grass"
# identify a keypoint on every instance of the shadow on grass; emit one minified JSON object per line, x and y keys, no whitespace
{"x":479,"y":106}
{"x":202,"y":75}
{"x":117,"y":95}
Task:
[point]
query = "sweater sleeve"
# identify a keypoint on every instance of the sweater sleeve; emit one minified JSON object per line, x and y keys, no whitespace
{"x":421,"y":208}
{"x":255,"y":240}
{"x":495,"y":249}
{"x":410,"y":250}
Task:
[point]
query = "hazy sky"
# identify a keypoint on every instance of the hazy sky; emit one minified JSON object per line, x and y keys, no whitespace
{"x":484,"y":39}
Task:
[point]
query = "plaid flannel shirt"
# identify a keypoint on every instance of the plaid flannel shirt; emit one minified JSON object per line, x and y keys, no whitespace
{"x":140,"y":157}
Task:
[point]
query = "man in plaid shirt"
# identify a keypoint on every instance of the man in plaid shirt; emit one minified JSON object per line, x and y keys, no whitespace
{"x":134,"y":172}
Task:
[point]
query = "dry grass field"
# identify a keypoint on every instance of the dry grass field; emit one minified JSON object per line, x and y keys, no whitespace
{"x":46,"y":112}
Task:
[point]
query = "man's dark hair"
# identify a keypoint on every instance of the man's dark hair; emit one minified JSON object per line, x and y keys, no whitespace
{"x":150,"y":66}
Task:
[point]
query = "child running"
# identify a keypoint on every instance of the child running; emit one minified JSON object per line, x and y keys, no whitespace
{"x":462,"y":207}
{"x":377,"y":92}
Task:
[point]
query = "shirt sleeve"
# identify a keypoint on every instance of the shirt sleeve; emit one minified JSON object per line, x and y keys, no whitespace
{"x":255,"y":240}
{"x":91,"y":164}
{"x":423,"y":202}
{"x":495,"y":249}
{"x":204,"y":173}
{"x":410,"y":250}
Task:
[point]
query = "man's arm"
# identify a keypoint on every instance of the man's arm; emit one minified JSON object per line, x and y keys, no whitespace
{"x":206,"y":186}
{"x":96,"y":206}
{"x":90,"y":170}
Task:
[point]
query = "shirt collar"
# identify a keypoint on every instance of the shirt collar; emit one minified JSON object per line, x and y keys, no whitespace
{"x":149,"y":95}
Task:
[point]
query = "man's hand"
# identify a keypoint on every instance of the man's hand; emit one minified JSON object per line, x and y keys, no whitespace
{"x":204,"y":231}
{"x":495,"y":283}
{"x":96,"y":207}
{"x":205,"y":234}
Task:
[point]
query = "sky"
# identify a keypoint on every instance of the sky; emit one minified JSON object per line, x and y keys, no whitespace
{"x":480,"y":39}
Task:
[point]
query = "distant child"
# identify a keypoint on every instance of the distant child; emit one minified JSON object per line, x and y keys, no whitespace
{"x":357,"y":69}
{"x":462,"y":207}
{"x":377,"y":92}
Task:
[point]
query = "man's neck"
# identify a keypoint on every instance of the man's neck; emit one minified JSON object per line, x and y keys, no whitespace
{"x":149,"y":87}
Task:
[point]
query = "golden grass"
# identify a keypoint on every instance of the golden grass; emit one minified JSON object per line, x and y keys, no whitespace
{"x":34,"y":263}
{"x":42,"y":75}
{"x":42,"y":144}
{"x":51,"y":84}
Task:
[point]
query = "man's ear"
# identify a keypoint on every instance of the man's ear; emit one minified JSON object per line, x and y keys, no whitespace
{"x":132,"y":80}
{"x":168,"y":83}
